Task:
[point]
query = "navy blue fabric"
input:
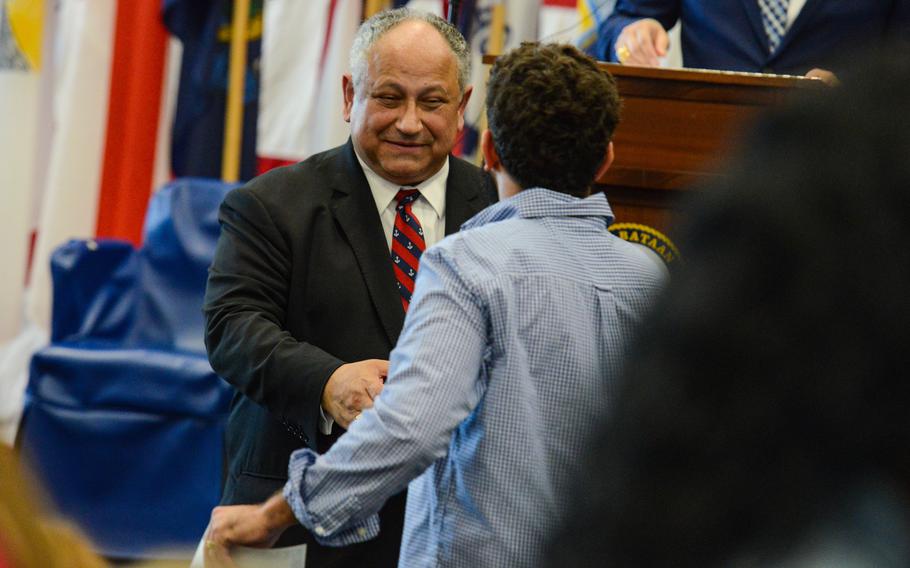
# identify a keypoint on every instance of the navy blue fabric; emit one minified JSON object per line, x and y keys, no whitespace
{"x":125,"y":417}
{"x":94,"y":290}
{"x":181,"y":230}
{"x":129,"y":443}
{"x":101,"y":376}
{"x":203,"y":27}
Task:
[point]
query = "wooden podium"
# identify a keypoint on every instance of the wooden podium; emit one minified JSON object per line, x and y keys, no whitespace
{"x":676,"y":125}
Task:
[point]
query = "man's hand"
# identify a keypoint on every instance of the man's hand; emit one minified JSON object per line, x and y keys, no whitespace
{"x":352,"y":388}
{"x":257,"y":526}
{"x":642,"y":42}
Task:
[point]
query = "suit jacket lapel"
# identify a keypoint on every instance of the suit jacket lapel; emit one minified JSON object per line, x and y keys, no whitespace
{"x":753,"y":12}
{"x":804,"y":15}
{"x":464,"y":197}
{"x":355,"y":210}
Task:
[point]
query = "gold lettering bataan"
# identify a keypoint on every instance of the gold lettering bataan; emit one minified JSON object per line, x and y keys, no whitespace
{"x":649,"y":237}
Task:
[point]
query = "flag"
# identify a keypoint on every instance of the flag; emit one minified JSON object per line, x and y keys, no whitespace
{"x":204,"y":29}
{"x":559,"y":21}
{"x":591,"y":14}
{"x":304,"y":55}
{"x":503,"y":22}
{"x":68,"y":207}
{"x":84,"y":155}
{"x":329,"y":128}
{"x":438,"y":7}
{"x":22,"y":33}
{"x":21,"y":25}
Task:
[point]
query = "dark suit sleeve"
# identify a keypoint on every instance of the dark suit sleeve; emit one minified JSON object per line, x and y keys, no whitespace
{"x":628,"y":11}
{"x":245,"y":310}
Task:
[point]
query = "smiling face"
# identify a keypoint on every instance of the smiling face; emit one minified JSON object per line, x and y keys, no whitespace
{"x":406,"y":115}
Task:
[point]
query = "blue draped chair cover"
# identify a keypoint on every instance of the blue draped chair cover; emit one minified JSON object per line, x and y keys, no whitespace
{"x":124,"y":416}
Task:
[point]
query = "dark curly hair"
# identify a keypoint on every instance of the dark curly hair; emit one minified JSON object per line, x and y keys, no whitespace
{"x":552,"y":112}
{"x":772,"y":377}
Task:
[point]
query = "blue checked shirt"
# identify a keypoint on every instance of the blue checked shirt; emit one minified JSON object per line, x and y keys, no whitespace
{"x":506,"y":362}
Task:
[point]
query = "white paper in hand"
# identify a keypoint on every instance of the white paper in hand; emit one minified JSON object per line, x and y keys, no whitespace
{"x":244,"y":557}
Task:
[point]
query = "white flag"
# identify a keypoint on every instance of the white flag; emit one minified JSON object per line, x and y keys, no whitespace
{"x":304,"y":55}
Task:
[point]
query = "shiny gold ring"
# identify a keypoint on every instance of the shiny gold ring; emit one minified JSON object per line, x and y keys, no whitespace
{"x":623,"y":53}
{"x":210,"y":544}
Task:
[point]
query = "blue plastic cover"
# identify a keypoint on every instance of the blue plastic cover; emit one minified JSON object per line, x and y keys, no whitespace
{"x":181,"y":230}
{"x":94,"y":290}
{"x":129,"y":443}
{"x":125,"y":417}
{"x":106,"y":290}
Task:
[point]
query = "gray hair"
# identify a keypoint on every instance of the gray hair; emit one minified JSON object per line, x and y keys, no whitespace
{"x":375,"y":27}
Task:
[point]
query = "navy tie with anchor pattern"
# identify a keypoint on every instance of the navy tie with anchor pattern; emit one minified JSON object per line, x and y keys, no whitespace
{"x":407,"y":244}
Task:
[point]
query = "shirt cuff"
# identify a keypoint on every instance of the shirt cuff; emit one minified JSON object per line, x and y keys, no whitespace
{"x":325,"y":422}
{"x":337,"y":526}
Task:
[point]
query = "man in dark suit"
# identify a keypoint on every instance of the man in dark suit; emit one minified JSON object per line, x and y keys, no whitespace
{"x":303,"y":304}
{"x":767,"y":36}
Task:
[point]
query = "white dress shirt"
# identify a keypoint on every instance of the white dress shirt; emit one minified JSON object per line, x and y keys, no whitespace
{"x":793,"y":10}
{"x":429,"y":208}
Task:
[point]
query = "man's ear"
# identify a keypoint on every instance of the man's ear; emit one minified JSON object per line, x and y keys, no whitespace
{"x":488,"y":149}
{"x":464,"y":105}
{"x":608,"y":161}
{"x":347,"y":88}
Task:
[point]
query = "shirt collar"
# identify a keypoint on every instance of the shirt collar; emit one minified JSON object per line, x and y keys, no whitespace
{"x":432,"y":189}
{"x":540,"y":202}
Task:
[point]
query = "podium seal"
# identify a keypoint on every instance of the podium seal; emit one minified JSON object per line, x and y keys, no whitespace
{"x":648,"y":237}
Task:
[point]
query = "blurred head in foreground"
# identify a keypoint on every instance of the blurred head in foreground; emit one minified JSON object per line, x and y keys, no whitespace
{"x":27,"y":538}
{"x":766,"y":413}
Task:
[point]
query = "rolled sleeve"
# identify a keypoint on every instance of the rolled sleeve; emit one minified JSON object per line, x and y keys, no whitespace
{"x":330,"y":529}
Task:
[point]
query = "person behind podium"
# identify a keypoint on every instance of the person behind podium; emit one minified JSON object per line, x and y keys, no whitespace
{"x":765,"y":420}
{"x":793,"y":37}
{"x":304,"y":302}
{"x":509,"y":351}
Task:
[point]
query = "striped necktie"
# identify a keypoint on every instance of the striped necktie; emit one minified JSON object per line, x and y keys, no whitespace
{"x":774,"y":18}
{"x":407,"y":244}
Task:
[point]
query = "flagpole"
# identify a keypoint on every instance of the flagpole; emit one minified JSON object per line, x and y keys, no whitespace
{"x":373,"y":6}
{"x":233,"y":117}
{"x":497,"y":30}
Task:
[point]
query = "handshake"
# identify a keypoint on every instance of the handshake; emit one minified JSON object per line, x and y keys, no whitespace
{"x":351,"y":389}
